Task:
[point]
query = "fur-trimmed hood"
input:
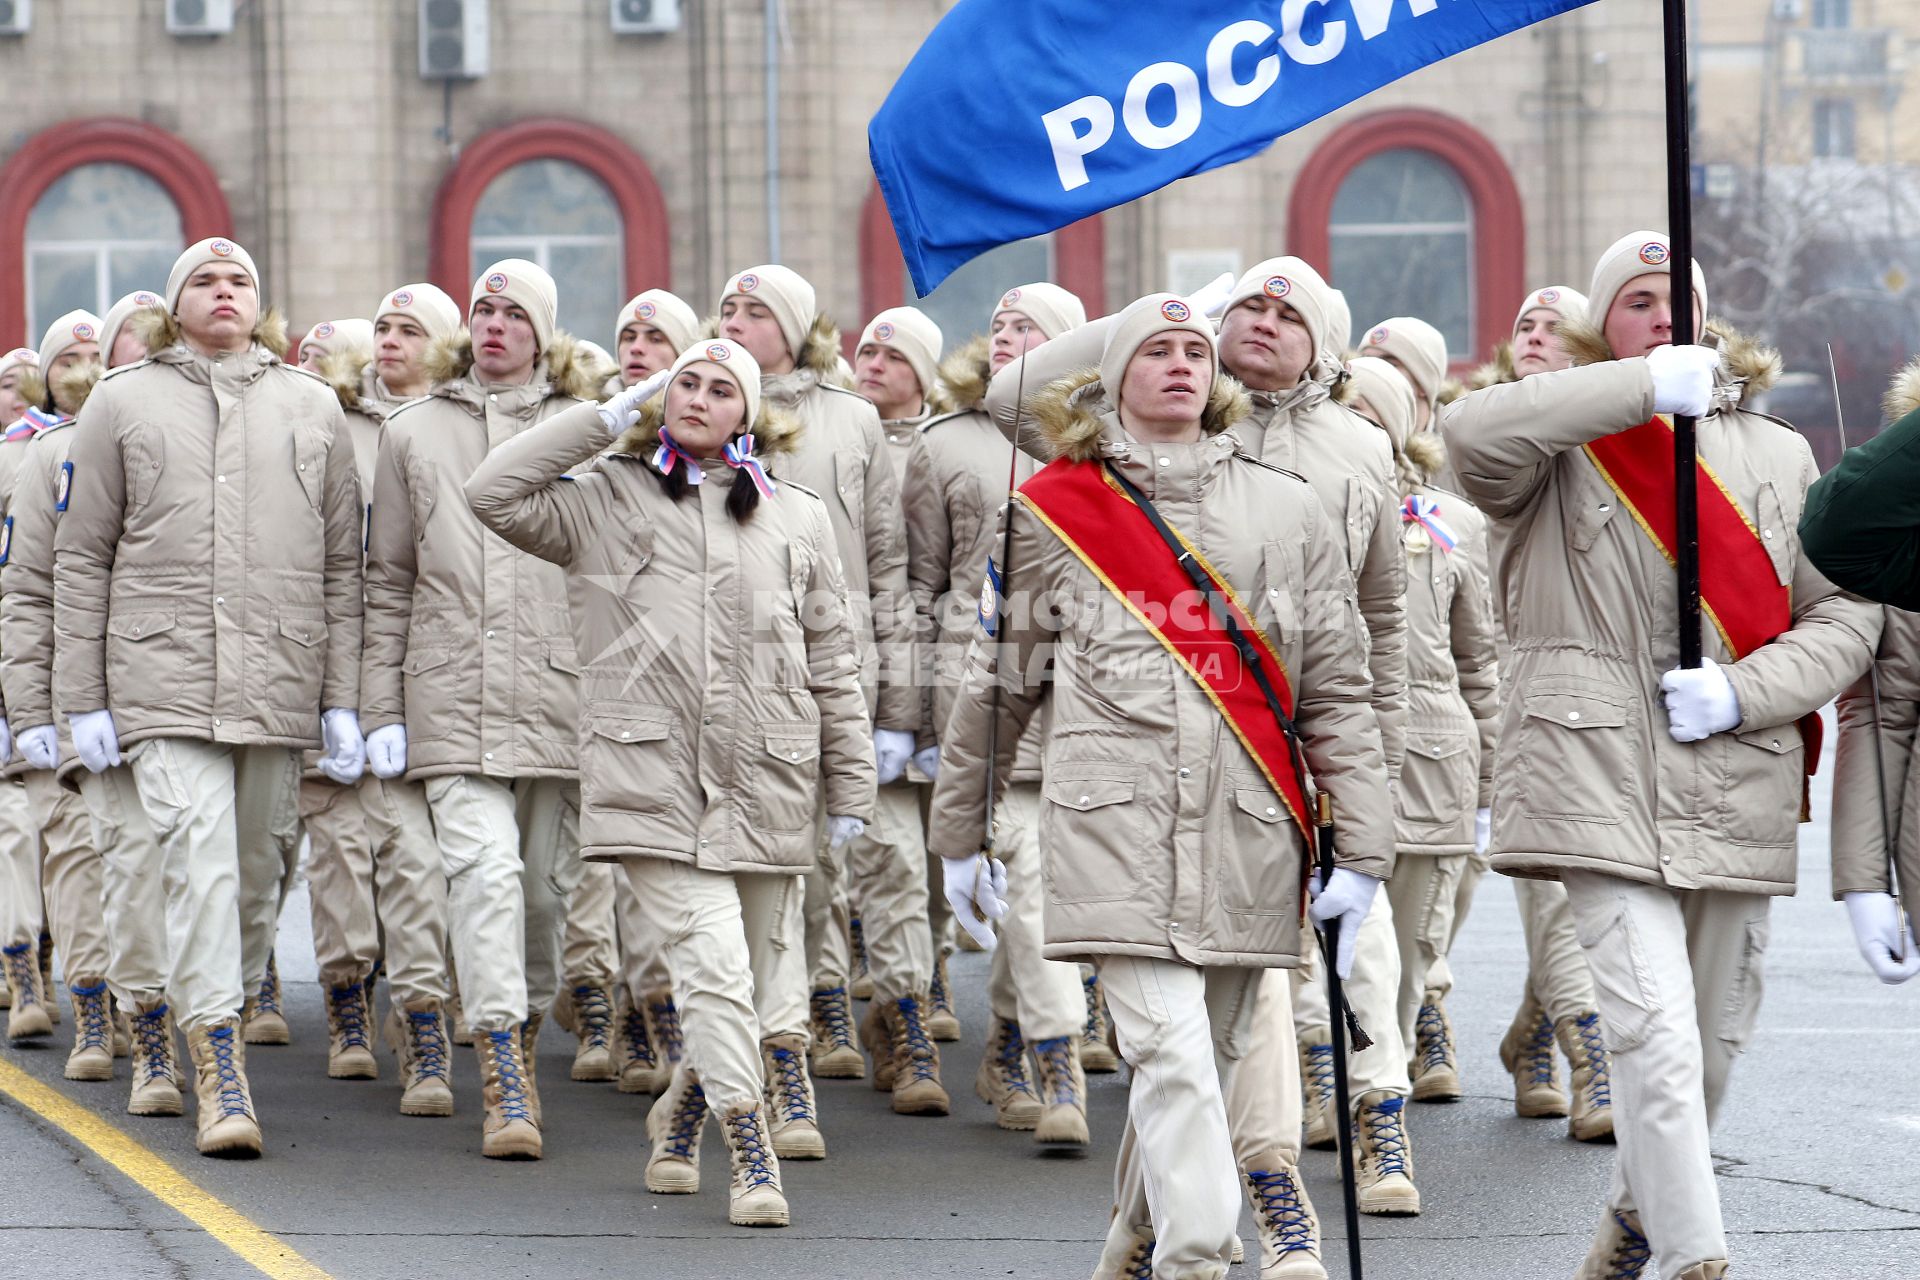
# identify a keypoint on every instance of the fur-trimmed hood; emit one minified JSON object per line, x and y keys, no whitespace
{"x":74,"y":385}
{"x":1424,"y":458}
{"x":346,"y":373}
{"x":1072,"y":413}
{"x":1903,"y":393}
{"x":1746,"y":363}
{"x":819,"y":356}
{"x":775,"y":434}
{"x":1495,"y":372}
{"x":159,"y":330}
{"x":569,"y":370}
{"x":966,"y":373}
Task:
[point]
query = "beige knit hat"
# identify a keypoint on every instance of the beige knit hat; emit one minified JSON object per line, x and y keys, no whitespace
{"x":914,"y":335}
{"x":1294,"y":282}
{"x":212,"y":249}
{"x":426,"y":305}
{"x":19,"y":358}
{"x":1564,"y":302}
{"x":1418,"y":346}
{"x":118,"y":315}
{"x":785,"y":293}
{"x":1387,"y":391}
{"x":1154,"y":314}
{"x":340,"y":337}
{"x":731,"y":359}
{"x":1052,"y":309}
{"x":663,"y":311}
{"x":1638,"y":253}
{"x":525,"y":285}
{"x":68,"y":331}
{"x":1339,"y":325}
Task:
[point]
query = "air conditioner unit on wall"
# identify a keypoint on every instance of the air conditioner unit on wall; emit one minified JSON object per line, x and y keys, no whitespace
{"x":16,"y":17}
{"x":199,"y":17}
{"x":454,"y":39}
{"x":645,"y":17}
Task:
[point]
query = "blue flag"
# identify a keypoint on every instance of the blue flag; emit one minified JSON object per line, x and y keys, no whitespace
{"x":1017,"y":117}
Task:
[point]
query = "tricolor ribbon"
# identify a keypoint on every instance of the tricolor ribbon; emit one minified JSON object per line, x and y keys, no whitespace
{"x":34,"y":421}
{"x":670,"y":452}
{"x":1425,"y":512}
{"x":739,"y":455}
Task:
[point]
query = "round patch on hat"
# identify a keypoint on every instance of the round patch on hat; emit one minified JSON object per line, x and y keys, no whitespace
{"x":1547,"y":297}
{"x":719,"y":351}
{"x":1176,"y":311}
{"x":644,"y":311}
{"x":221,"y":248}
{"x":83,"y":332}
{"x":1654,"y":254}
{"x":402,"y":298}
{"x":323,"y":330}
{"x":27,"y":354}
{"x":1008,"y":298}
{"x":883,"y":332}
{"x":496,"y":283}
{"x":1278,"y":286}
{"x":145,"y":299}
{"x":749,"y":282}
{"x":1378,"y":336}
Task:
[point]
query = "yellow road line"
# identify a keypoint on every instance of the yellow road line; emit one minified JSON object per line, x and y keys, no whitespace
{"x":261,"y":1249}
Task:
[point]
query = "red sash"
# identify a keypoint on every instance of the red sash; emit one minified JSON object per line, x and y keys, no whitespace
{"x":1740,"y":591}
{"x":1096,"y":521}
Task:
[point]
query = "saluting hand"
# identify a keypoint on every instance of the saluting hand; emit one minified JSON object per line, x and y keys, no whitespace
{"x":623,"y":409}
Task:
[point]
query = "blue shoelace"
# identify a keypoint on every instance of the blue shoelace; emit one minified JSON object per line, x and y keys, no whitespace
{"x":683,"y":1135}
{"x":154,"y":1053}
{"x":835,"y":1016}
{"x":920,"y":1050}
{"x":507,"y":1069}
{"x":749,"y":1140}
{"x":233,"y":1094}
{"x":1011,"y":1055}
{"x":1278,"y":1203}
{"x":429,"y":1044}
{"x":348,"y":1005}
{"x":268,"y":1001}
{"x":790,"y":1085}
{"x":1430,"y":1033}
{"x":1586,"y":1033}
{"x":668,"y":1042}
{"x":1631,"y":1255}
{"x":592,"y":1017}
{"x":1056,"y":1059}
{"x":1387,"y":1133}
{"x":1320,"y":1072}
{"x":639,"y":1046}
{"x":22,"y":974}
{"x":1538,"y":1052}
{"x":90,"y":1008}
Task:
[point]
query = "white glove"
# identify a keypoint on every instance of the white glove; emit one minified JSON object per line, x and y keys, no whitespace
{"x":927,"y":760}
{"x":94,"y":740}
{"x":1482,"y":830}
{"x":623,"y":409}
{"x":1885,"y":938}
{"x":841,"y":831}
{"x":1683,"y":379}
{"x":41,"y":746}
{"x":891,"y":751}
{"x":346,"y":754}
{"x":1345,"y":899}
{"x":976,"y":887}
{"x":1211,"y":299}
{"x":1700,"y":702}
{"x":387,"y":751}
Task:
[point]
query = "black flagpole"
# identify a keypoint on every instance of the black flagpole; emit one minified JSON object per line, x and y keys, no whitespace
{"x":1680,"y":233}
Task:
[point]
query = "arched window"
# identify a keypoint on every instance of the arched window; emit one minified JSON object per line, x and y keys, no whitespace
{"x":100,"y":231}
{"x":1402,"y":244}
{"x":559,"y":216}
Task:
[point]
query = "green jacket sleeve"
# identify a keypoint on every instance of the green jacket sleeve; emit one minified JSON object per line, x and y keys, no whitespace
{"x":1861,"y":526}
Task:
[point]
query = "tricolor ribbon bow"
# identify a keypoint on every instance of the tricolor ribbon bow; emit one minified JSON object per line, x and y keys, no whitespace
{"x":34,"y":421}
{"x":739,"y":455}
{"x":1425,"y":512}
{"x":670,"y":452}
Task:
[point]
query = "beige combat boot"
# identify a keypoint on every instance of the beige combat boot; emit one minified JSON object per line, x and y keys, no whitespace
{"x":1063,"y":1093}
{"x":418,"y":1033}
{"x":906,"y":1062}
{"x":1435,"y":1067}
{"x":28,"y":1018}
{"x":1383,"y":1156}
{"x":835,"y":1055}
{"x":1002,"y":1081}
{"x":593,"y":1023}
{"x":1591,"y":1118}
{"x":943,"y":1024}
{"x":1526,"y":1051}
{"x":530,"y":1059}
{"x":791,"y":1107}
{"x":1097,"y":1055}
{"x":1714,"y":1269}
{"x":156,"y":1068}
{"x":673,"y":1136}
{"x":1283,"y":1216}
{"x":1127,"y":1253}
{"x":46,"y":977}
{"x":754,"y":1197}
{"x":861,"y":986}
{"x":264,"y":1018}
{"x":226,"y":1123}
{"x":1619,"y":1251}
{"x":636,"y":1065}
{"x":509,"y":1129}
{"x":1319,"y":1101}
{"x":663,"y":1028}
{"x":349,"y":1034}
{"x":91,"y":1057}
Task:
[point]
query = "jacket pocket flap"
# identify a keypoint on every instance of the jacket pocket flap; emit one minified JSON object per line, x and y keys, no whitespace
{"x":1577,"y":710}
{"x":1258,"y":802}
{"x":1780,"y":739}
{"x":138,"y":626}
{"x":1089,"y":793}
{"x":419,"y":660}
{"x":793,"y":742}
{"x":1438,"y":746}
{"x":563,"y":658}
{"x":303,"y":631}
{"x":630,"y":728}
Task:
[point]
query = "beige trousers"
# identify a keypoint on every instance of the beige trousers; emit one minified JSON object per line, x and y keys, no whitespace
{"x":827,"y":909}
{"x":1374,"y":993}
{"x":512,"y":857}
{"x":643,"y":953}
{"x":409,"y":887}
{"x":939,"y":915}
{"x":1044,"y":996}
{"x":22,"y":914}
{"x":1263,"y":1099}
{"x":71,"y":876}
{"x":1184,"y":1032}
{"x":1557,"y":972}
{"x":887,"y":876}
{"x":1440,"y":977}
{"x":590,"y":952}
{"x":1678,"y":975}
{"x":346,"y":929}
{"x":1424,"y":891}
{"x":224,"y":818}
{"x":133,"y":897}
{"x":726,"y":938}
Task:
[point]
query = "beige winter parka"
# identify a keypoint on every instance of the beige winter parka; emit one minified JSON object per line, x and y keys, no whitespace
{"x":1589,"y":776}
{"x":719,"y":691}
{"x":1162,"y":836}
{"x":468,"y":640}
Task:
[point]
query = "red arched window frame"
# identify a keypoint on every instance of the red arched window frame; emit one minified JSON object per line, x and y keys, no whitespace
{"x":54,"y":151}
{"x":622,"y":170}
{"x":1079,"y":260}
{"x":1499,"y":219}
